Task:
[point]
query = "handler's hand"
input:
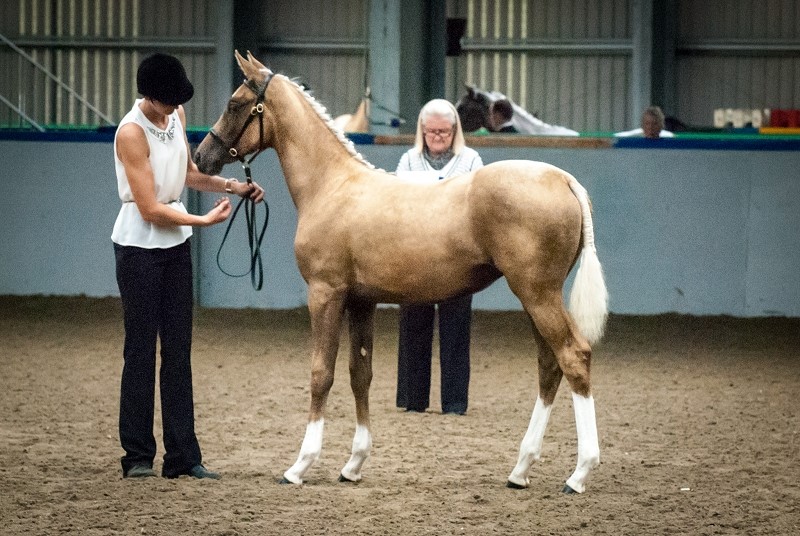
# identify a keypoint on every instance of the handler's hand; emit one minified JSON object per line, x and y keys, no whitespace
{"x":252,"y":190}
{"x":220,"y":212}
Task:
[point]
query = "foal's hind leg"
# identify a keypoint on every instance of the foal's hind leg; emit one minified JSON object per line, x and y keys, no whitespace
{"x":573,"y":355}
{"x":531,"y":447}
{"x":362,"y":319}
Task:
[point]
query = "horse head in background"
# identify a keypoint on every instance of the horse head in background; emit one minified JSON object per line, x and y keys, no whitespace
{"x":473,"y":110}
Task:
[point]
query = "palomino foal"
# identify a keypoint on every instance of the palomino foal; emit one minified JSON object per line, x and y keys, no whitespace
{"x":366,"y":237}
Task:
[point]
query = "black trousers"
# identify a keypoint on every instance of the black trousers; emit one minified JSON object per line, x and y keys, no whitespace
{"x":156,"y":290}
{"x":415,"y":354}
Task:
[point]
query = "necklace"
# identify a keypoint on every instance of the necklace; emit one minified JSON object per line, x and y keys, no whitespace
{"x":163,"y":135}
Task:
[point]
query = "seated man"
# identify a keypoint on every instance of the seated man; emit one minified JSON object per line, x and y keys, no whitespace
{"x":500,"y":114}
{"x":652,"y":125}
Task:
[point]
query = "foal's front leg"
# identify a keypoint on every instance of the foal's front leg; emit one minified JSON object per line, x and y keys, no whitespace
{"x":362,"y":318}
{"x":326,"y":306}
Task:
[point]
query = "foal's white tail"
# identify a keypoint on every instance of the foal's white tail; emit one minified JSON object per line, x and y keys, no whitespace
{"x":588,"y":300}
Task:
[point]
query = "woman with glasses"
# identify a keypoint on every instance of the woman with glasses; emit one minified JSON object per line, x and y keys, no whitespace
{"x":439,"y":152}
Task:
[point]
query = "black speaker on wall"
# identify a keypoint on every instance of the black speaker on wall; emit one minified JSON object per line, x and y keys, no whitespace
{"x":455,"y":31}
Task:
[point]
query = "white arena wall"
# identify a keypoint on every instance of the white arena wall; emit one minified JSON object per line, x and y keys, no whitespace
{"x":692,"y":231}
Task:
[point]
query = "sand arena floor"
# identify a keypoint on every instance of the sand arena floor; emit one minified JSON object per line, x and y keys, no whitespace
{"x":698,"y":421}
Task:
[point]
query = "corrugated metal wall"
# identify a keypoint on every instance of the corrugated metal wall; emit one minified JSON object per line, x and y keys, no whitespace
{"x":324,"y":47}
{"x":737,"y":54}
{"x":567,"y":60}
{"x":94,"y":46}
{"x":571,"y":61}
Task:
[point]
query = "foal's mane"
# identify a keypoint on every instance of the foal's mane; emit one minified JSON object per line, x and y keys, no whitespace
{"x":323,"y":114}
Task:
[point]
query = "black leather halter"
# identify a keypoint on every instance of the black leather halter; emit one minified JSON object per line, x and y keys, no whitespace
{"x":254,"y":237}
{"x":256,"y":111}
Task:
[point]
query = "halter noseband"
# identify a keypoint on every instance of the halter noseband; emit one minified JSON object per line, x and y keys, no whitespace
{"x":256,"y":110}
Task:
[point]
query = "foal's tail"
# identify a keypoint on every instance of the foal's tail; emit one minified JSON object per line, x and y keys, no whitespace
{"x":588,"y":300}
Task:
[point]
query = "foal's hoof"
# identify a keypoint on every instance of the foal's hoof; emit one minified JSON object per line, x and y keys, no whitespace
{"x":284,"y":480}
{"x":568,"y":490}
{"x":343,"y":478}
{"x":514,"y":485}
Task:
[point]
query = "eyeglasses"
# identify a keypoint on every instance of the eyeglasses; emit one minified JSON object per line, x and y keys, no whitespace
{"x":440,"y":132}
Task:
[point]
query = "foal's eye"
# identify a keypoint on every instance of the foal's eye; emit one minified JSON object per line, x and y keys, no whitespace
{"x":234,"y":106}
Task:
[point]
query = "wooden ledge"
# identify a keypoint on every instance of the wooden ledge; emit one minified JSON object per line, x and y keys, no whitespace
{"x":511,"y":140}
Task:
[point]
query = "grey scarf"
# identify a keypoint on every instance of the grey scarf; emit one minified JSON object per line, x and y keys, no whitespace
{"x":438,"y":162}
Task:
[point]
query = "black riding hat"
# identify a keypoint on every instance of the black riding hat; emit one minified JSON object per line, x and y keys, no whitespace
{"x":163,"y":78}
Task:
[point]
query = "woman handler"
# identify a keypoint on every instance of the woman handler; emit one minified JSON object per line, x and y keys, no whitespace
{"x":154,"y":268}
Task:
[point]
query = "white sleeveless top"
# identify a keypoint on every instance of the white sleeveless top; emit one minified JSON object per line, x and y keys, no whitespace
{"x":168,"y":159}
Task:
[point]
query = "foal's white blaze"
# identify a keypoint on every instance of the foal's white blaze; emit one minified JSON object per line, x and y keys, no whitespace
{"x":309,"y":452}
{"x":362,"y":444}
{"x":588,"y":446}
{"x":530,"y":449}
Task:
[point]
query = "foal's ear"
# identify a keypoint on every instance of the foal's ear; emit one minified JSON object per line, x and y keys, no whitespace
{"x":254,"y":61}
{"x":246,"y":65}
{"x":239,"y":59}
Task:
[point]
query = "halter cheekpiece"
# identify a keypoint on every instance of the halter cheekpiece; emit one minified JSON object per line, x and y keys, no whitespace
{"x":256,"y":111}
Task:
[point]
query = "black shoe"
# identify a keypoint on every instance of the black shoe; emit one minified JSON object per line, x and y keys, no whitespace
{"x":140,"y":471}
{"x":457,"y":409}
{"x":198,"y":471}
